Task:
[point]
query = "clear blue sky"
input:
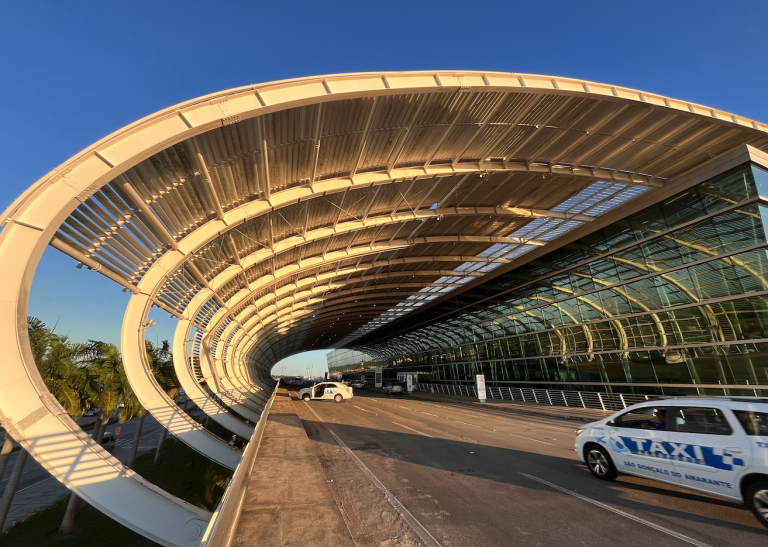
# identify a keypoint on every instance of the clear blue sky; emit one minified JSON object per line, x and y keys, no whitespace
{"x":73,"y":72}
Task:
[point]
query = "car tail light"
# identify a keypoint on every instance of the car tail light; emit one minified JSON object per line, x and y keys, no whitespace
{"x":349,"y":390}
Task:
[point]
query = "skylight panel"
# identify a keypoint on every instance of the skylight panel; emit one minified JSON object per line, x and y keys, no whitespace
{"x":595,"y":200}
{"x":585,"y":194}
{"x":559,"y":229}
{"x":617,"y":199}
{"x":591,"y":196}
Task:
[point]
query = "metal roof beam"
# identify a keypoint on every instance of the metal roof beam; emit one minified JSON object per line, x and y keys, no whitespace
{"x":450,"y":127}
{"x":196,"y":157}
{"x":145,"y":213}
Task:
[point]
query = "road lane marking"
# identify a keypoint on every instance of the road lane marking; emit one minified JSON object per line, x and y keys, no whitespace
{"x":417,"y":527}
{"x":620,"y":512}
{"x":414,"y":430}
{"x":127,"y":441}
{"x":503,"y":414}
{"x":464,"y":423}
{"x":312,"y":410}
{"x":495,"y":414}
{"x":357,"y":407}
{"x":31,"y":485}
{"x":9,"y":478}
{"x":534,"y":440}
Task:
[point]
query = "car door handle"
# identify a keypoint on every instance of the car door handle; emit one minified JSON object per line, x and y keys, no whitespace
{"x":734,"y":450}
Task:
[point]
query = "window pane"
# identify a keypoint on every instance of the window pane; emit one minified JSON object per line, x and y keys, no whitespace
{"x":706,"y":421}
{"x":643,"y":418}
{"x":754,"y":423}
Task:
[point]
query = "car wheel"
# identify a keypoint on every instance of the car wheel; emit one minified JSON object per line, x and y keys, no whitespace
{"x":338,"y":398}
{"x":756,"y":498}
{"x":306,"y":397}
{"x":600,"y":464}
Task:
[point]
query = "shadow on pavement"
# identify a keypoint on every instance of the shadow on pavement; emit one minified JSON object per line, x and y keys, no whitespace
{"x":505,"y":466}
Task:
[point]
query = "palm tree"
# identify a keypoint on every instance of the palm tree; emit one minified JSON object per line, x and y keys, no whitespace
{"x":63,"y":366}
{"x":107,"y":369}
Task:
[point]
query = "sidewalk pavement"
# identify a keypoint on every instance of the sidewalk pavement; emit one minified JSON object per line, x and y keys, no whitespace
{"x":583,"y":415}
{"x":288,"y":501}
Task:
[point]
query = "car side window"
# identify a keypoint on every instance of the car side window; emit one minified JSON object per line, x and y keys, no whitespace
{"x":648,"y":417}
{"x":754,"y":423}
{"x":704,"y":421}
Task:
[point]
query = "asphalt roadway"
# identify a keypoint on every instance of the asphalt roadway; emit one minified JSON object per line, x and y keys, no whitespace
{"x":482,"y":477}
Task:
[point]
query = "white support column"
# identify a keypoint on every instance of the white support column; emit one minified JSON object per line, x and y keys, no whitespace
{"x":151,"y":395}
{"x":194,"y":391}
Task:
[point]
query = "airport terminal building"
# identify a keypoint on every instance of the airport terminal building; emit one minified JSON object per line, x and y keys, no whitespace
{"x":671,"y":297}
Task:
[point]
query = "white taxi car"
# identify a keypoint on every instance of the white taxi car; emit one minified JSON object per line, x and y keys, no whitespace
{"x":326,"y":390}
{"x":717,"y":445}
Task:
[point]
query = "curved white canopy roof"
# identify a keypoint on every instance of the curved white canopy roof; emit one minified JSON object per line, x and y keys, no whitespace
{"x":280,"y":217}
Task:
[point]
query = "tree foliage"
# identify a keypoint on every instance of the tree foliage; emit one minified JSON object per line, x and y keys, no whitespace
{"x":83,"y":376}
{"x":63,"y":366}
{"x":160,"y":361}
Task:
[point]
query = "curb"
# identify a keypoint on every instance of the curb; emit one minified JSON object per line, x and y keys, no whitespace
{"x":569,"y":417}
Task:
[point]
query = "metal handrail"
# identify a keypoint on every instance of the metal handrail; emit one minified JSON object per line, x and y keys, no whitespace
{"x":221,"y":530}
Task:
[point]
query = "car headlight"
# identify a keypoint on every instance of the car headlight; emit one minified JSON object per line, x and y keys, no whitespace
{"x":580,"y":431}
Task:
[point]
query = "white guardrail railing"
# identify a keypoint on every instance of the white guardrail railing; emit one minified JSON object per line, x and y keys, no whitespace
{"x":221,"y":530}
{"x":554,"y":397}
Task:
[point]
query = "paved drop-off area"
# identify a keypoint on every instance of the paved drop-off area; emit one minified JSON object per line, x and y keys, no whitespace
{"x":458,"y":470}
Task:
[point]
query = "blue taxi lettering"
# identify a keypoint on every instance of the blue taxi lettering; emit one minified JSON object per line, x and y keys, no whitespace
{"x":762,"y":445}
{"x":709,"y":456}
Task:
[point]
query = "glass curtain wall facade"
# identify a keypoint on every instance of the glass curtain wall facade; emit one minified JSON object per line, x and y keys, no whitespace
{"x":340,"y":360}
{"x":674,"y":295}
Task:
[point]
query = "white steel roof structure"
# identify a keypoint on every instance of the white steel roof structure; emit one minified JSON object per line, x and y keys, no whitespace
{"x":275,"y":218}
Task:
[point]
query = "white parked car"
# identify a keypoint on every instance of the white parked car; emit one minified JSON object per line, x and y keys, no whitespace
{"x":717,"y":445}
{"x":326,"y":390}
